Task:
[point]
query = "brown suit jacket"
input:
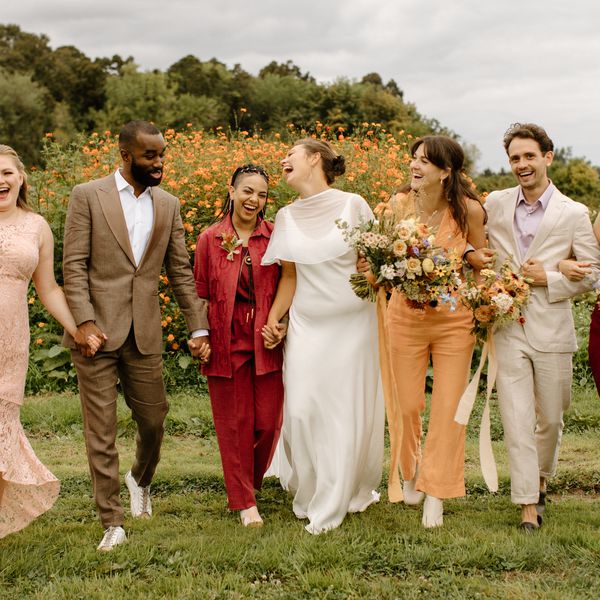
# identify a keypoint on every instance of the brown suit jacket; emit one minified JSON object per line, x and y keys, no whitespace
{"x":101,"y":280}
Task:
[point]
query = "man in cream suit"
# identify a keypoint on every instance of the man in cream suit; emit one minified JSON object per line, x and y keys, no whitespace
{"x":537,"y":227}
{"x":119,"y":232}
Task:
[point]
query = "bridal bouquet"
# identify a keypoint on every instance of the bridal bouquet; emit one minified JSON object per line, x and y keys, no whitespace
{"x":403,"y":256}
{"x":497,"y":300}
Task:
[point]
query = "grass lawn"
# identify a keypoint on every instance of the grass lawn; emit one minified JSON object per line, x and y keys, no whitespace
{"x":194,"y":548}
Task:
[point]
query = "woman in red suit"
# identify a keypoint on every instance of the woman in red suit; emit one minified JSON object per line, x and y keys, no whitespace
{"x":244,"y":378}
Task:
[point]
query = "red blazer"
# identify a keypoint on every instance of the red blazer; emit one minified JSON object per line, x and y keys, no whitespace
{"x":217,"y":279}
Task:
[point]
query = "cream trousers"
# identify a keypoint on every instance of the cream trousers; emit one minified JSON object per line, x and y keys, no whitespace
{"x":534,"y":390}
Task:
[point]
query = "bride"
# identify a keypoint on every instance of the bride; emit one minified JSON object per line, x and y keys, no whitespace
{"x":331,"y":447}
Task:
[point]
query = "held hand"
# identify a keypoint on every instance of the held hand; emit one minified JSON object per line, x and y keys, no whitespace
{"x":89,"y":338}
{"x":363,"y":266}
{"x":534,"y":270}
{"x":200,"y":348}
{"x":94,"y":343}
{"x":483,"y":258}
{"x":574,"y":270}
{"x":273,"y":333}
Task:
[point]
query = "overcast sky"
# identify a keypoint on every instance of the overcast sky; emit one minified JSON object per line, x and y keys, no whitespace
{"x":476,"y":66}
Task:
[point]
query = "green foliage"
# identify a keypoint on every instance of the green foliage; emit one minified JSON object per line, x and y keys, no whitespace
{"x":578,"y":179}
{"x":489,"y":181}
{"x":24,"y":117}
{"x":278,"y":100}
{"x":136,"y":95}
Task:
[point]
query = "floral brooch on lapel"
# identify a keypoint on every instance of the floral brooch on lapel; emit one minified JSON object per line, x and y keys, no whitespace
{"x":231,"y":244}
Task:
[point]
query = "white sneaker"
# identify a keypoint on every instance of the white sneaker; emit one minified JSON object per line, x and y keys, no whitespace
{"x":113,"y":536}
{"x":139,"y":498}
{"x":433,"y":512}
{"x":411,"y":495}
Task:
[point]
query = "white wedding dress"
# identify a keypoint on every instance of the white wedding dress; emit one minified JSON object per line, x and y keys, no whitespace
{"x":330,"y":451}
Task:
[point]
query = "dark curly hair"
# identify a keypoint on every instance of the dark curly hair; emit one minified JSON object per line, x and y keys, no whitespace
{"x":529,"y":131}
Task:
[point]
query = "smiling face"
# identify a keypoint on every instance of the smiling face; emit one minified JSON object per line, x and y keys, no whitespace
{"x":298,"y":165}
{"x":425,"y":176}
{"x":248,"y":196}
{"x":10,"y":183}
{"x":529,"y":164}
{"x":143,"y":161}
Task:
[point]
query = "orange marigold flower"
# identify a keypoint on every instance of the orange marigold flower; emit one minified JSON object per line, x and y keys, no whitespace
{"x":170,"y":337}
{"x":39,"y":341}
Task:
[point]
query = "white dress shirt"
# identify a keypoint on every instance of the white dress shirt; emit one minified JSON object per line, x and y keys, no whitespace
{"x":139,"y":215}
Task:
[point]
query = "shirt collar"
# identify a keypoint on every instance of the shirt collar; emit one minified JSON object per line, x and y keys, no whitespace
{"x":543,"y":199}
{"x":123,"y":184}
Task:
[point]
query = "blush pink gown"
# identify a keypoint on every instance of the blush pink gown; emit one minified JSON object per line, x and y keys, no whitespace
{"x":27,"y":488}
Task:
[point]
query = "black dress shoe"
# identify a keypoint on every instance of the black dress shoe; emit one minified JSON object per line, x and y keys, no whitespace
{"x":528,"y":527}
{"x":541,"y":505}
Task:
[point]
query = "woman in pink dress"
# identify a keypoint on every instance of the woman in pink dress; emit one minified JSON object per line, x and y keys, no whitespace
{"x":27,"y":488}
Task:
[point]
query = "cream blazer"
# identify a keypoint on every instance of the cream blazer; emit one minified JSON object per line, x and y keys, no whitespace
{"x":565,"y":232}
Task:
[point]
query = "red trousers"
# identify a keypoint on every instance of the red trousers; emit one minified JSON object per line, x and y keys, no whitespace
{"x":594,"y":345}
{"x":247,"y":412}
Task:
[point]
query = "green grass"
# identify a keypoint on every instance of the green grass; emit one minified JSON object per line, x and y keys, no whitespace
{"x":194,"y":548}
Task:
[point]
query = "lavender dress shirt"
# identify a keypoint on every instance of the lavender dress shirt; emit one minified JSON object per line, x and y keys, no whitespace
{"x":529,"y":216}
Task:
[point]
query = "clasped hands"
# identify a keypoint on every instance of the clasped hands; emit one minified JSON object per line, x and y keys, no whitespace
{"x":532,"y":268}
{"x":273,"y":333}
{"x":200,"y":348}
{"x":89,"y":338}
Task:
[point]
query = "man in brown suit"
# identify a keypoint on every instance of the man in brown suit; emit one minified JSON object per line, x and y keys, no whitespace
{"x":119,"y":232}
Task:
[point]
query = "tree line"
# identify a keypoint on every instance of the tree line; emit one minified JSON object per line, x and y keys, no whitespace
{"x":65,"y":92}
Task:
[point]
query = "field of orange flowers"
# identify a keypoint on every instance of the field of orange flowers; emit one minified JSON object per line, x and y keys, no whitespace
{"x":197,"y":171}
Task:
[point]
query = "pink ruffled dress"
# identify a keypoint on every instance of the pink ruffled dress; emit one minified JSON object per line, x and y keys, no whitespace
{"x":27,"y":488}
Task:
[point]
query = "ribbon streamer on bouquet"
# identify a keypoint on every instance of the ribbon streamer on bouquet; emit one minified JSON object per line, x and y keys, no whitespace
{"x":392,"y":408}
{"x":465,"y":406}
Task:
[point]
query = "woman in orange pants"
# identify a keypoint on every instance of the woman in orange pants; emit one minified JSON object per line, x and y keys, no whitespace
{"x":443,"y":199}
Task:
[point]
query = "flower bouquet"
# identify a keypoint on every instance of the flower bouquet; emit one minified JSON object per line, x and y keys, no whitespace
{"x":403,"y":256}
{"x":497,"y":300}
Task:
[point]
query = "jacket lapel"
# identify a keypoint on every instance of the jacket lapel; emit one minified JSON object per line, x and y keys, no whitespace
{"x":113,"y":213}
{"x":549,"y":221}
{"x":508,"y":218}
{"x":159,"y":220}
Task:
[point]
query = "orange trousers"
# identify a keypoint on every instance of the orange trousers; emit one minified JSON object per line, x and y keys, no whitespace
{"x":445,"y":337}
